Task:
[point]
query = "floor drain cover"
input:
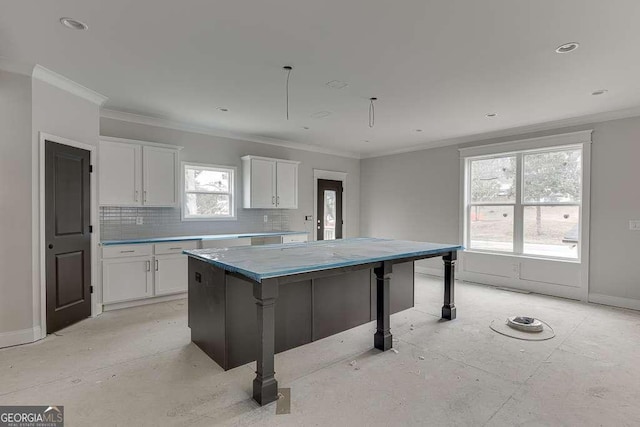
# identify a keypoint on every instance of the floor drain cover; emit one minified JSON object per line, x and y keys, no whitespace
{"x":506,"y":328}
{"x":526,"y":324}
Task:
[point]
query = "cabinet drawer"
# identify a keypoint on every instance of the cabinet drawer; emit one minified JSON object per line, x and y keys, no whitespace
{"x":226,"y":243}
{"x":274,"y":240}
{"x":121,"y":251}
{"x":292,"y":238}
{"x":175,"y":247}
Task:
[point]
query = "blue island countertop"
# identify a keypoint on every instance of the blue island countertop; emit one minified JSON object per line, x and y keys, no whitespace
{"x":201,"y":237}
{"x":268,"y":261}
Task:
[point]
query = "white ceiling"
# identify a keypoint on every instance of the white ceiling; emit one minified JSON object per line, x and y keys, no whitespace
{"x":439,"y":66}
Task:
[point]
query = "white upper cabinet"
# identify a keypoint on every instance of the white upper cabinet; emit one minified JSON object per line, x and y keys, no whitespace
{"x":269,"y":183}
{"x":160,"y":166}
{"x":259,"y":176}
{"x":135,"y":173}
{"x":120,"y":169}
{"x":287,"y":185}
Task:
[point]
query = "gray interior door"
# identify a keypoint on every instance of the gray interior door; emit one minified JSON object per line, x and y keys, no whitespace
{"x":329,"y":219}
{"x":67,"y":233}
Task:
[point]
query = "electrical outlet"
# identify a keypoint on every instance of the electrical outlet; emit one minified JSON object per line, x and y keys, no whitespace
{"x":308,"y":217}
{"x":139,"y":220}
{"x":634,"y":225}
{"x":266,"y":218}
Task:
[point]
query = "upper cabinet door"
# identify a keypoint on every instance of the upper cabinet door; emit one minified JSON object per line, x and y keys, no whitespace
{"x":287,"y":185}
{"x":160,"y":166}
{"x":120,"y":174}
{"x":263,"y":184}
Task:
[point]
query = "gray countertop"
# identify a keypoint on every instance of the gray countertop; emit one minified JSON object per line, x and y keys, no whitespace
{"x":263,"y":262}
{"x":201,"y":237}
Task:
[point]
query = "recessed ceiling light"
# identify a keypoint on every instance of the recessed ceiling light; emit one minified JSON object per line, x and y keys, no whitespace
{"x":567,"y":47}
{"x":366,"y":140}
{"x":224,"y":110}
{"x":73,"y":24}
{"x":418,"y":130}
{"x":321,"y":114}
{"x":599,"y":92}
{"x":337,"y":84}
{"x":492,"y":114}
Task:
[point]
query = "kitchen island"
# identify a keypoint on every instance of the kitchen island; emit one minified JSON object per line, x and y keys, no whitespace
{"x":248,"y":303}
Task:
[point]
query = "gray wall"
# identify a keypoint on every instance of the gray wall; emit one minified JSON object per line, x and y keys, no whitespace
{"x":15,"y":202}
{"x":412,"y":196}
{"x":417,"y":195}
{"x":216,"y":150}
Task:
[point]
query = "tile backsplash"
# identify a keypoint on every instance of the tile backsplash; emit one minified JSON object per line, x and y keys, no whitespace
{"x":120,"y":223}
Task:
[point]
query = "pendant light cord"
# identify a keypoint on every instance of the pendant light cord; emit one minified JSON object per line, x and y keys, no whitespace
{"x":372,"y":112}
{"x":288,"y":68}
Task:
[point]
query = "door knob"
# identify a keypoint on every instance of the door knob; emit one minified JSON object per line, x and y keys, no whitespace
{"x":50,"y":246}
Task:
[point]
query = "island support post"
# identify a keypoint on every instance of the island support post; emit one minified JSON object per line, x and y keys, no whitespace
{"x":265,"y":386}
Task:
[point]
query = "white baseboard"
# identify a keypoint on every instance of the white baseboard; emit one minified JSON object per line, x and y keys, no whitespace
{"x":23,"y":336}
{"x":430,"y":271}
{"x":632,"y":303}
{"x":146,"y":301}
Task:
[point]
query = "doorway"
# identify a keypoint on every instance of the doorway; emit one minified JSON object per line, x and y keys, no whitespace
{"x":329,"y":220}
{"x":67,"y":219}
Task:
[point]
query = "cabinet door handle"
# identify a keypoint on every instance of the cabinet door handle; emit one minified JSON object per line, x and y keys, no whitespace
{"x":144,"y":196}
{"x":136,"y":196}
{"x":156,"y":265}
{"x":273,"y":200}
{"x":127,"y":252}
{"x":174,"y":249}
{"x":148,"y":266}
{"x":277,"y":200}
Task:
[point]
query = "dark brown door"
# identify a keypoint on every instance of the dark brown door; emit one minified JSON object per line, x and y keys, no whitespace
{"x":68,"y":238}
{"x":329,"y":222}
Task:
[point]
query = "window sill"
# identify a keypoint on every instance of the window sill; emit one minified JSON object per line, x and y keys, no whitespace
{"x":523,"y":256}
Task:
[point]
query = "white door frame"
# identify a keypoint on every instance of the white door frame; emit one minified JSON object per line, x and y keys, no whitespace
{"x":335,"y":176}
{"x":39,"y":255}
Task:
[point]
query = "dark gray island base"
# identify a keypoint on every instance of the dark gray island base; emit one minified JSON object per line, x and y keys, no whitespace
{"x":236,"y":319}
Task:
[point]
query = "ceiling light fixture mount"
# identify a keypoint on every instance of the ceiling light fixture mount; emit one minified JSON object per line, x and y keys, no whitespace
{"x":567,"y":47}
{"x":418,"y":130}
{"x":599,"y":92}
{"x":491,"y":115}
{"x":73,"y":24}
{"x":224,"y":110}
{"x":337,"y":84}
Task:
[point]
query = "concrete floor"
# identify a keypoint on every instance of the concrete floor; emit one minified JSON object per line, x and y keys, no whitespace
{"x":138,"y":367}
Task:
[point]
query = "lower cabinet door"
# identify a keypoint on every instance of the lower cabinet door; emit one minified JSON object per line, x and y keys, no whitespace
{"x":126,"y":279}
{"x":171,"y":274}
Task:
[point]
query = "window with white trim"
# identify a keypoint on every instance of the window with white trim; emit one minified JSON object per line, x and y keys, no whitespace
{"x":525,"y":202}
{"x":208,"y":192}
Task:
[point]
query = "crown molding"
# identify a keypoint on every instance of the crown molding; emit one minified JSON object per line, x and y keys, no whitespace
{"x":177,"y":125}
{"x":61,"y":82}
{"x":539,"y":127}
{"x":17,"y":67}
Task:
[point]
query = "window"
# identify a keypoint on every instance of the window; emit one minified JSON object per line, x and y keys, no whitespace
{"x":526,"y":202}
{"x":209,"y":192}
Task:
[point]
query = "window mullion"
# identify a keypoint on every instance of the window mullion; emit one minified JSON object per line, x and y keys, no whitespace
{"x":518,"y":213}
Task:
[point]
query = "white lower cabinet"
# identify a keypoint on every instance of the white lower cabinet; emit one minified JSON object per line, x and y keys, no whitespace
{"x":171,"y":274}
{"x":132,"y":272}
{"x":136,"y":272}
{"x":295,"y":238}
{"x":125,"y":279}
